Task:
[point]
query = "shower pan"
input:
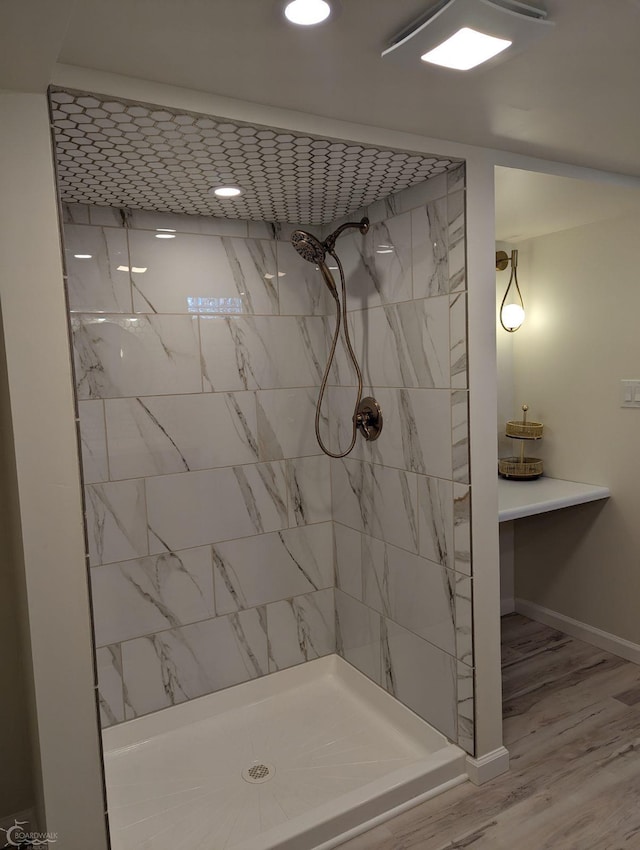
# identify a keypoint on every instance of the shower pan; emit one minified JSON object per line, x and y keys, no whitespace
{"x":283,"y":635}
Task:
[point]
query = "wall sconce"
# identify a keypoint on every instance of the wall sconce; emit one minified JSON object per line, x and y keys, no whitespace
{"x":512,"y":307}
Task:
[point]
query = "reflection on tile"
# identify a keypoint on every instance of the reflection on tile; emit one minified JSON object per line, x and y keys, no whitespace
{"x":462,"y":528}
{"x":204,"y":224}
{"x":309,"y":490}
{"x":410,"y":590}
{"x":466,"y":720}
{"x":173,"y":666}
{"x":358,"y":635}
{"x":301,"y":629}
{"x":457,"y":245}
{"x":116,"y":521}
{"x":435,"y":514}
{"x":404,"y":345}
{"x":286,"y":423}
{"x":302,"y":288}
{"x":430,"y":255}
{"x":403,"y":654}
{"x":376,"y":500}
{"x":460,"y":435}
{"x":464,"y":619}
{"x":270,"y":567}
{"x":348,"y":559}
{"x":416,"y":434}
{"x":110,"y":699}
{"x":75,"y":214}
{"x":159,"y":435}
{"x":93,"y":441}
{"x":377,"y":266}
{"x":139,"y":597}
{"x":95,"y":258}
{"x":265,"y":352}
{"x":203,"y":274}
{"x":135,"y":355}
{"x":458,"y":334}
{"x":195,"y":508}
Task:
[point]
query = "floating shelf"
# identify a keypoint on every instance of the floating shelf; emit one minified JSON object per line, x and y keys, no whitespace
{"x":525,"y":498}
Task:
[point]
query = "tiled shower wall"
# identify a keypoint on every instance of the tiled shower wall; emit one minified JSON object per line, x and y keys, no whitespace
{"x":198,"y":359}
{"x":401,"y":504}
{"x":209,"y":503}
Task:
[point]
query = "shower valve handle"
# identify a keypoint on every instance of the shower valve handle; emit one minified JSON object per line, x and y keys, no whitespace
{"x":368,"y":419}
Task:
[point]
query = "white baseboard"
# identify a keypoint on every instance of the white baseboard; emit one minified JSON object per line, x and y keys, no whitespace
{"x":507,"y":606}
{"x":582,"y":631}
{"x":487,"y":767}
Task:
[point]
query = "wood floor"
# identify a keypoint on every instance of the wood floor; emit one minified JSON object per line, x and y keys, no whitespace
{"x":572,"y":728}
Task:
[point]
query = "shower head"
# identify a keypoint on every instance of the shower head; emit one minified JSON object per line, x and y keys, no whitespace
{"x":309,"y":248}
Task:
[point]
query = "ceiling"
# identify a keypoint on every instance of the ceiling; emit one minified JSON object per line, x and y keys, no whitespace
{"x":123,"y":154}
{"x":570,"y":97}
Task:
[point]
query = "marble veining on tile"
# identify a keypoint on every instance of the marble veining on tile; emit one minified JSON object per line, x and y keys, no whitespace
{"x":462,"y":528}
{"x":285,"y":421}
{"x":301,"y":629}
{"x":93,"y":441}
{"x":116,"y":521}
{"x":430,"y":249}
{"x":458,"y":334}
{"x":358,"y":635}
{"x":460,"y":435}
{"x":97,"y":262}
{"x":348,"y":559}
{"x":464,"y":619}
{"x":309,"y":483}
{"x":457,"y":241}
{"x":435,"y":517}
{"x":110,"y":693}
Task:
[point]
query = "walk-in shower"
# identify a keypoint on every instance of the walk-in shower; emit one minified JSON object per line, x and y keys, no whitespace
{"x":283,"y":638}
{"x":367,"y":415}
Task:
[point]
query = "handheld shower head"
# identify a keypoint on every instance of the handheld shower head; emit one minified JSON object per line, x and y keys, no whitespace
{"x":309,"y":248}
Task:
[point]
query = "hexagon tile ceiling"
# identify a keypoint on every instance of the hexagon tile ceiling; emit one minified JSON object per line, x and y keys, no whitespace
{"x":140,"y":156}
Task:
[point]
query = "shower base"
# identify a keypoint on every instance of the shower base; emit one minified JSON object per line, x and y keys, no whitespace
{"x":300,"y":759}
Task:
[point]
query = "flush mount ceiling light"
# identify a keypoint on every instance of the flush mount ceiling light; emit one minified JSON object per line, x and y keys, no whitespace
{"x":306,"y":13}
{"x":227,"y":191}
{"x":462,"y":34}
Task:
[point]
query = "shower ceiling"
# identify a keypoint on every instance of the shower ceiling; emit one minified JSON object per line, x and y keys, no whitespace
{"x":123,"y":154}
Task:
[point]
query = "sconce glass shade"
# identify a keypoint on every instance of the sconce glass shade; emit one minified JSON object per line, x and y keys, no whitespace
{"x":512,"y":307}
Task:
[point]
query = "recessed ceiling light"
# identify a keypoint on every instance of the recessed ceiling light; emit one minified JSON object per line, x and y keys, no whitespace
{"x":307,"y":12}
{"x":466,"y":49}
{"x":83,"y":256}
{"x":227,"y":191}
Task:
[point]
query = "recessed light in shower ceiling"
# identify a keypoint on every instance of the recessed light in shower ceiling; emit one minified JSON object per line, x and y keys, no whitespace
{"x":307,"y":12}
{"x":227,"y":191}
{"x":131,"y":155}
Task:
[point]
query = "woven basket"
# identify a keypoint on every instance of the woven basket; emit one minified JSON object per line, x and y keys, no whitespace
{"x":524,"y":430}
{"x":513,"y":467}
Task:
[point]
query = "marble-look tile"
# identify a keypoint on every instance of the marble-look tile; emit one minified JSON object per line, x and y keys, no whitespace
{"x":460,"y":435}
{"x":464,"y":619}
{"x":109,"y":216}
{"x":466,"y":719}
{"x":136,"y":598}
{"x":116,"y":521}
{"x":93,"y":441}
{"x":75,"y":214}
{"x":457,"y":241}
{"x":203,"y":274}
{"x":384,"y":209}
{"x":302,"y":287}
{"x":135,"y":355}
{"x":462,"y":528}
{"x":377,"y":266}
{"x":261,"y":230}
{"x":404,"y":345}
{"x":416,"y":434}
{"x":182,"y":223}
{"x":458,"y":336}
{"x":376,"y":500}
{"x":410,"y":590}
{"x":262,"y":352}
{"x":97,"y":283}
{"x":110,"y":697}
{"x":309,"y":484}
{"x":195,"y":508}
{"x":286,"y":423}
{"x":456,"y":179}
{"x":347,"y":545}
{"x":301,"y":629}
{"x":339,"y":407}
{"x":271,"y":567}
{"x":358,"y":635}
{"x":412,"y":666}
{"x":430,"y":253}
{"x":177,"y":665}
{"x":435,"y":520}
{"x":158,"y":435}
{"x":408,"y":199}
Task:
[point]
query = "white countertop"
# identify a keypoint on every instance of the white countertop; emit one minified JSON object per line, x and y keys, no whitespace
{"x":525,"y":498}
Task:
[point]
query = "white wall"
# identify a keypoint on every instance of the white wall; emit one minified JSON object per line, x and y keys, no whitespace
{"x":42,"y":415}
{"x":579,"y":340}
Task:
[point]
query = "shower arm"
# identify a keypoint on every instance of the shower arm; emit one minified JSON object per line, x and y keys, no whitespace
{"x":341,"y":315}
